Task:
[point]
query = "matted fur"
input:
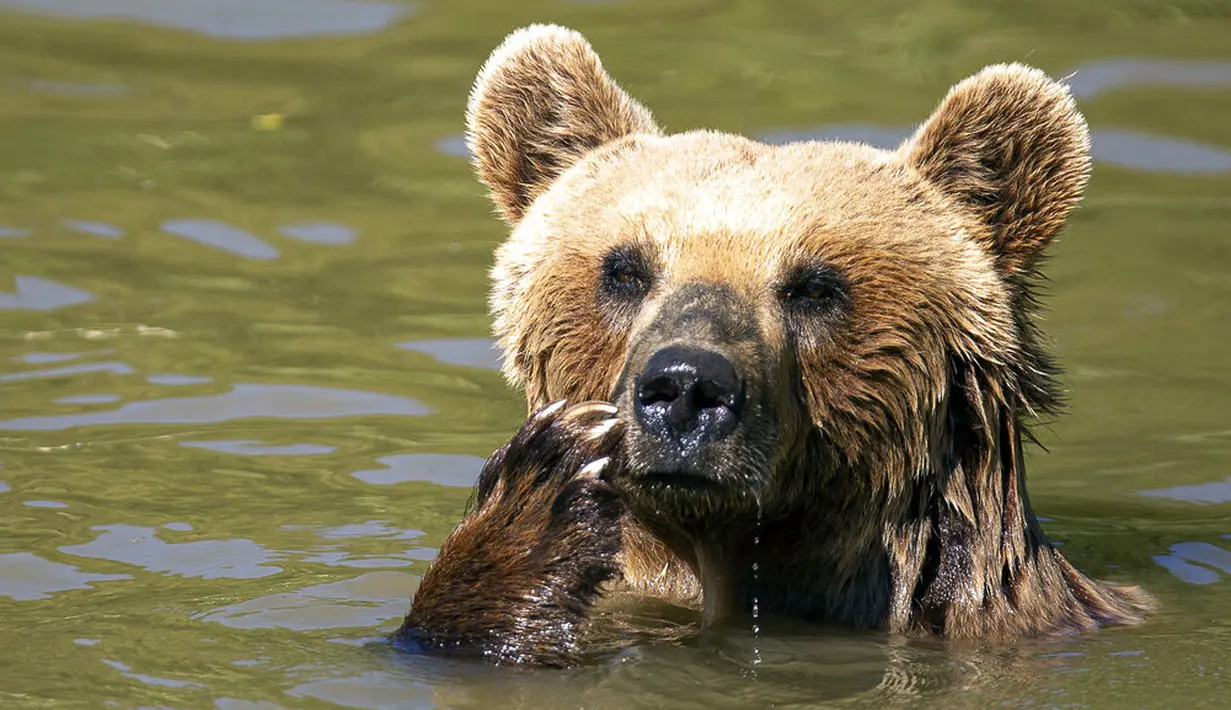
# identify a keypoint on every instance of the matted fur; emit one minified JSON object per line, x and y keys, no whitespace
{"x":882,"y":469}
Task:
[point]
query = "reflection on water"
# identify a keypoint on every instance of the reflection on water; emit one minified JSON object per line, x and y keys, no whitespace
{"x":39,"y":294}
{"x":96,"y":229}
{"x":1192,"y":562}
{"x":371,"y":528}
{"x":454,"y":146}
{"x":243,"y":401}
{"x":207,"y":559}
{"x":27,"y":577}
{"x":44,"y":504}
{"x":171,"y":379}
{"x":115,"y":368}
{"x":1213,"y":492}
{"x":441,"y":469}
{"x":149,"y":679}
{"x":1089,"y":80}
{"x":1142,"y":151}
{"x":341,"y":558}
{"x":314,"y":281}
{"x":466,"y":352}
{"x":43,"y":358}
{"x":89,"y":399}
{"x":256,"y":448}
{"x":241,"y":704}
{"x":319,"y":232}
{"x":221,"y":236}
{"x":338,"y":556}
{"x":234,"y":19}
{"x":367,"y":601}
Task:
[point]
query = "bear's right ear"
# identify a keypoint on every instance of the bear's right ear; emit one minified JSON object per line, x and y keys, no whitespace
{"x":539,"y":104}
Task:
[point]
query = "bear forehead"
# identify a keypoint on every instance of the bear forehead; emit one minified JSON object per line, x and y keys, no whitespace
{"x":717,"y":206}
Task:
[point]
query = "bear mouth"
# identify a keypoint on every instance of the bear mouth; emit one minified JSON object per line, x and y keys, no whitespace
{"x":665,"y":471}
{"x":679,"y":481}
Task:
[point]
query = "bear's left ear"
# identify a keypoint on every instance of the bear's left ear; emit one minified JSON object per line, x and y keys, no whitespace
{"x":539,"y":104}
{"x":1010,"y":145}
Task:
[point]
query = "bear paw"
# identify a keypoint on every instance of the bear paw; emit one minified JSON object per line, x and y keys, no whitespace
{"x":515,"y":581}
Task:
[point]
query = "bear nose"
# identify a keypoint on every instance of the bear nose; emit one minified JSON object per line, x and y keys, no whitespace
{"x":689,"y":395}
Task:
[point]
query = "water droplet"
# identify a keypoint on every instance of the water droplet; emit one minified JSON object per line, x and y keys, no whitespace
{"x":756,"y":600}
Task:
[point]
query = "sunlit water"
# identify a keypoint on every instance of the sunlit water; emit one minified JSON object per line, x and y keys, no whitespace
{"x":246,"y":379}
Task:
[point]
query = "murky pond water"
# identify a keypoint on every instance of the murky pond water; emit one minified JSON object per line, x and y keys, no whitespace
{"x":245,"y":380}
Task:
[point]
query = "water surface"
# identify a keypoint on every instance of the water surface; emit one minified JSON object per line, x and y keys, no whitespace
{"x":247,"y":377}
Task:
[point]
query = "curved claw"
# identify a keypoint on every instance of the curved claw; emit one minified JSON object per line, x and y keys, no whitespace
{"x":591,"y":471}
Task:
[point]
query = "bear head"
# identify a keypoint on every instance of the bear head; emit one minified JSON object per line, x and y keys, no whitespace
{"x":822,"y":327}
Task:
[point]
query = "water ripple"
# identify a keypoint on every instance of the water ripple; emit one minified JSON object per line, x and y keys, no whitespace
{"x":319,"y":232}
{"x":234,"y":19}
{"x":149,"y":679}
{"x":370,"y":529}
{"x":221,"y":235}
{"x":1105,"y":75}
{"x":242,"y":704}
{"x":467,"y":352}
{"x":38,"y":294}
{"x":1196,"y":562}
{"x":114,"y":367}
{"x":89,"y":399}
{"x":172,"y":379}
{"x":364,"y":601}
{"x":244,"y":401}
{"x":1213,"y":492}
{"x":207,"y":559}
{"x":442,"y":469}
{"x":244,"y":447}
{"x":1160,"y":154}
{"x":44,"y":358}
{"x":25,"y":576}
{"x":96,"y":229}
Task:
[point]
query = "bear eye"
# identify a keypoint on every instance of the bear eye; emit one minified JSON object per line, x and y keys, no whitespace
{"x":815,"y":289}
{"x":626,"y":274}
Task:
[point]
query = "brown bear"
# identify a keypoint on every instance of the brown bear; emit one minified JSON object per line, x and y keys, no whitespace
{"x":820,"y":358}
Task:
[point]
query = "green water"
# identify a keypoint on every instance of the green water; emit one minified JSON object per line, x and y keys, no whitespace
{"x":222,"y":466}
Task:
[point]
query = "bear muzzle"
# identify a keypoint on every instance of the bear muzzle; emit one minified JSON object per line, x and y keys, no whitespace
{"x":694,"y":391}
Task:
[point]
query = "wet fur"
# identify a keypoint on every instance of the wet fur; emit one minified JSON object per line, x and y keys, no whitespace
{"x":516,"y":580}
{"x":892,"y":493}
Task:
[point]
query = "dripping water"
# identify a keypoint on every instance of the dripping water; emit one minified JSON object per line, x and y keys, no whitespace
{"x":756,"y":599}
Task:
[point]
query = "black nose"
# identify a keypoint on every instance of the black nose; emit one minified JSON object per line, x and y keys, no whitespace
{"x":689,"y":395}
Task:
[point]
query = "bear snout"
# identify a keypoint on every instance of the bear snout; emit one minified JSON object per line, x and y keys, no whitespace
{"x":688,"y":397}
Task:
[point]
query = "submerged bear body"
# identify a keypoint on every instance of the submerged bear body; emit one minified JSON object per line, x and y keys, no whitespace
{"x":823,"y":350}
